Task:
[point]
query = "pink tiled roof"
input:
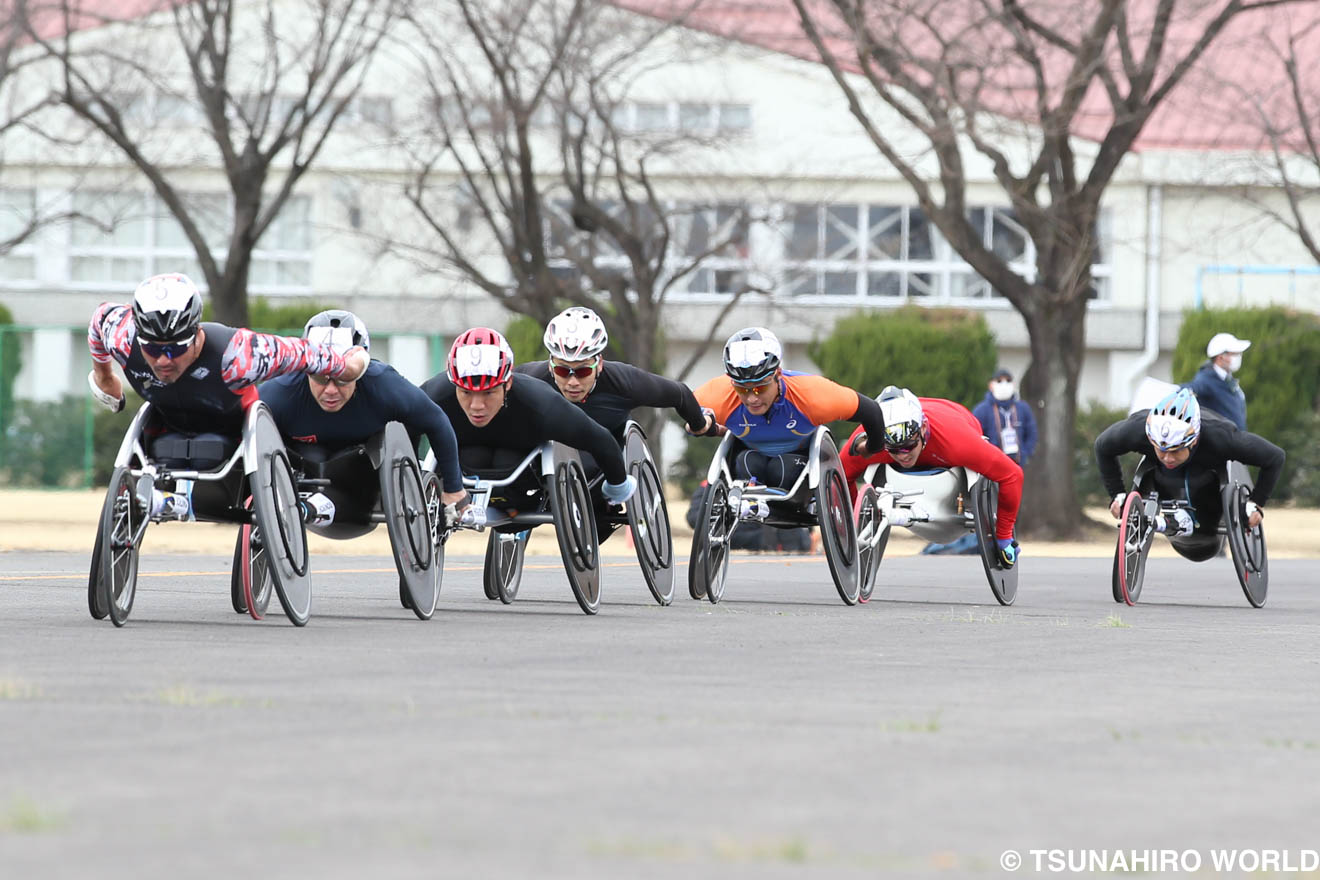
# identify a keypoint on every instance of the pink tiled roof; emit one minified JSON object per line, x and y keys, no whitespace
{"x":1213,"y":108}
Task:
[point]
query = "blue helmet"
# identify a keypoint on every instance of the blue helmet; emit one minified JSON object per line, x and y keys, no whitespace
{"x":1175,"y":422}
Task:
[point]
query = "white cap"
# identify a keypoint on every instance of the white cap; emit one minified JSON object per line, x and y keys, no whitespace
{"x":1226,"y":342}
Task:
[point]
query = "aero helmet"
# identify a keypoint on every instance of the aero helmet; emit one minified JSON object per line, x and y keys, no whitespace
{"x":479,"y":360}
{"x":752,"y":354}
{"x":340,"y":329}
{"x":576,"y":334}
{"x":905,"y":422}
{"x":167,"y":308}
{"x":1174,"y":422}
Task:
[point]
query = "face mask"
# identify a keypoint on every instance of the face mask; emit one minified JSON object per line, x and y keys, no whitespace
{"x":1234,"y":363}
{"x":1002,"y":390}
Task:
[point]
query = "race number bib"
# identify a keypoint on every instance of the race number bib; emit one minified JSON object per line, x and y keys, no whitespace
{"x":478,"y":360}
{"x":748,"y":352}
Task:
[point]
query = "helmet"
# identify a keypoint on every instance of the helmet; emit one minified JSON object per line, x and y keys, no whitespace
{"x":905,"y":422}
{"x":751,"y":354}
{"x":340,"y":329}
{"x":167,"y":308}
{"x":479,"y":360}
{"x":576,"y":334}
{"x":1174,"y":422}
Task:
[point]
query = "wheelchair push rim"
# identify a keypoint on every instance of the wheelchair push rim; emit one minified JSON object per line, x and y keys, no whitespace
{"x":834,"y":514}
{"x":408,"y":520}
{"x":872,"y":538}
{"x":278,"y":518}
{"x":711,"y":542}
{"x":1133,"y":546}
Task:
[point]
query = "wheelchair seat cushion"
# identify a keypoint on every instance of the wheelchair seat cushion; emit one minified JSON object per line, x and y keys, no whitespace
{"x":202,"y":452}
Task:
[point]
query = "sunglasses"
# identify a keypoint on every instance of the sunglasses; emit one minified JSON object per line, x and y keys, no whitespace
{"x":906,"y":447}
{"x":326,"y":380}
{"x":758,"y":389}
{"x":170,"y":350}
{"x":576,"y":372}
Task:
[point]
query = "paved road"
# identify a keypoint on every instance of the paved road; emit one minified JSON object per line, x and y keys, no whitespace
{"x":779,"y":734}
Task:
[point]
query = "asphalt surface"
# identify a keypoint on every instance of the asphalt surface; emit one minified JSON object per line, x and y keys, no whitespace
{"x":779,"y":734}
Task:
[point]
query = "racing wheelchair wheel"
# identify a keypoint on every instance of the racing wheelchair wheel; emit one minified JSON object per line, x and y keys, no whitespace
{"x":872,"y":538}
{"x":648,"y":517}
{"x":435,"y":510}
{"x":278,"y":526}
{"x":123,"y":522}
{"x":502,"y":573}
{"x":985,"y":504}
{"x":1247,"y":546}
{"x":1135,"y":534}
{"x":95,"y":598}
{"x":708,"y":564}
{"x":408,"y":519}
{"x":249,"y":580}
{"x":575,"y":528}
{"x":837,"y":530}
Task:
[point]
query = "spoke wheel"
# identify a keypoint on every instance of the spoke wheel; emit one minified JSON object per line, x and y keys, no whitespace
{"x":575,"y":529}
{"x":872,"y":537}
{"x":1135,"y":533}
{"x":717,"y":523}
{"x":648,"y":517}
{"x":837,"y":529}
{"x":1247,"y":545}
{"x":123,"y":522}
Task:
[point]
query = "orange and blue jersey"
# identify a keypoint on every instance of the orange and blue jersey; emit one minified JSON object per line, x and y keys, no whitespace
{"x":805,"y":401}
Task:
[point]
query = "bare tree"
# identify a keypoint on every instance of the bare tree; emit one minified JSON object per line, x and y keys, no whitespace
{"x":19,"y":106}
{"x":265,"y":84}
{"x":532,"y":158}
{"x":1013,"y":83}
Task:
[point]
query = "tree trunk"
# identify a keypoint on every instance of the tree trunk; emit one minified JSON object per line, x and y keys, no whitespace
{"x":1050,"y":509}
{"x":229,"y":301}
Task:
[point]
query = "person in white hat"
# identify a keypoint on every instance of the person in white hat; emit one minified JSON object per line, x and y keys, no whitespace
{"x":1214,"y":385}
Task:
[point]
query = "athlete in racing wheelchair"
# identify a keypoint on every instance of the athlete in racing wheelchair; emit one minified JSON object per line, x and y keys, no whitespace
{"x":351,"y":445}
{"x":938,"y":476}
{"x":1193,"y":487}
{"x":609,"y":391}
{"x":179,"y":458}
{"x":519,"y":445}
{"x":777,"y":463}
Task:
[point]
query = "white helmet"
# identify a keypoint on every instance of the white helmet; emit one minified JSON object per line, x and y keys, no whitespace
{"x":905,"y":421}
{"x":575,"y":334}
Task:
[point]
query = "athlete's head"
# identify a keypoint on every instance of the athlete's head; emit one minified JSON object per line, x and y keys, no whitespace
{"x":752,"y":361}
{"x":576,"y":340}
{"x":1173,"y":426}
{"x":342,"y":331}
{"x":167,"y":312}
{"x":480,"y":366}
{"x":906,"y":427}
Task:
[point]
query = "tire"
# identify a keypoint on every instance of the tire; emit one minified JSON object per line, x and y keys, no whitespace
{"x":1135,"y":534}
{"x":123,"y":522}
{"x":95,"y":598}
{"x":872,"y":538}
{"x":711,"y":542}
{"x":575,"y":529}
{"x":985,"y":505}
{"x":504,"y":564}
{"x":413,"y":532}
{"x":648,"y":517}
{"x":838,"y":531}
{"x":1247,"y":546}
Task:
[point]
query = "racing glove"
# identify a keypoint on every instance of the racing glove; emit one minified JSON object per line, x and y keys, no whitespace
{"x":113,"y":404}
{"x":1009,"y":551}
{"x":617,"y":493}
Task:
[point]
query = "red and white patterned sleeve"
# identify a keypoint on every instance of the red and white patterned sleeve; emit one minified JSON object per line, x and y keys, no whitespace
{"x":110,"y":333}
{"x":254,"y":357}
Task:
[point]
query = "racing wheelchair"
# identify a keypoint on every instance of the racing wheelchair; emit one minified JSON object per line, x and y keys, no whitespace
{"x":942,"y":505}
{"x":1137,"y":529}
{"x":271,"y":513}
{"x":383,"y":483}
{"x":819,"y":496}
{"x":550,"y":486}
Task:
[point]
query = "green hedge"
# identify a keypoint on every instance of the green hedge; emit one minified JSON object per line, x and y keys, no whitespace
{"x":946,"y":353}
{"x":285,"y":319}
{"x":1280,"y":375}
{"x":1090,"y":422}
{"x":10,"y":363}
{"x":45,"y":444}
{"x":524,"y":335}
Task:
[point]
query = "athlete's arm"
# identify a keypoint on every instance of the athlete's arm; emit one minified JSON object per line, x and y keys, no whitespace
{"x":568,"y":424}
{"x":966,"y":447}
{"x":109,"y":337}
{"x":647,"y":389}
{"x":1256,"y":451}
{"x":253,"y":357}
{"x":1128,"y":435}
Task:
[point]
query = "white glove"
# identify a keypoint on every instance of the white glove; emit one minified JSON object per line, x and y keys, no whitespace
{"x":1249,"y":508}
{"x":114,"y":404}
{"x":472,"y":518}
{"x":450,"y":515}
{"x":617,"y":493}
{"x":899,"y":516}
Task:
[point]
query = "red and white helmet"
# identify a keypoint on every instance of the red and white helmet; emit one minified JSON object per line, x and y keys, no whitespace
{"x":479,"y":360}
{"x":575,"y":334}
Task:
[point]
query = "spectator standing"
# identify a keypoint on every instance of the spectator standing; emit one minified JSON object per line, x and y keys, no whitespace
{"x":1214,"y":385}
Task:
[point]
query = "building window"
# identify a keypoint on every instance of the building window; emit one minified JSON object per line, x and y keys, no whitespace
{"x":118,"y":239}
{"x":18,"y":256}
{"x":689,"y":117}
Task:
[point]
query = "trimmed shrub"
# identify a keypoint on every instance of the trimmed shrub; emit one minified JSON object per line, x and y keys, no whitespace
{"x":44,"y":443}
{"x":287,"y":320}
{"x":1091,"y":421}
{"x":524,"y":334}
{"x":946,"y":353}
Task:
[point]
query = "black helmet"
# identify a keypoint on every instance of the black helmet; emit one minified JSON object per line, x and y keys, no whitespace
{"x":752,"y":354}
{"x":167,"y":308}
{"x":339,"y":328}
